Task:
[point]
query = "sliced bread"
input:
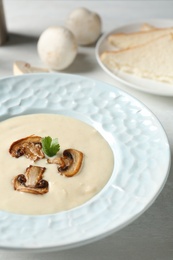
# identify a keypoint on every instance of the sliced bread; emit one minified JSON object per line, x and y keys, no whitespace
{"x":128,"y":40}
{"x":153,"y":60}
{"x":147,"y":27}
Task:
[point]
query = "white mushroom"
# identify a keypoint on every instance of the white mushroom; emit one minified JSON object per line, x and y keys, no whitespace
{"x":22,"y":67}
{"x":85,"y":25}
{"x":57,"y":47}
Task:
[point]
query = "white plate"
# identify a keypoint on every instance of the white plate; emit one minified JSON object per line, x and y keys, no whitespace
{"x":146,"y":85}
{"x":138,"y":141}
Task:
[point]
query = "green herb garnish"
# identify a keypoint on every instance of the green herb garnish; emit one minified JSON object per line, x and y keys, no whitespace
{"x":50,"y":146}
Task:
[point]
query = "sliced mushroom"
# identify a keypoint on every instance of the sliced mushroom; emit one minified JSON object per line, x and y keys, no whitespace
{"x":29,"y":146}
{"x":69,"y":163}
{"x":31,"y":181}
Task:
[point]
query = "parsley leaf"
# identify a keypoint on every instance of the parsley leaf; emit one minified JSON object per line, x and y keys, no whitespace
{"x":50,"y":146}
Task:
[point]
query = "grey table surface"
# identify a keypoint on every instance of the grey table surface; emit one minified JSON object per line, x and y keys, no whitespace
{"x":151,"y":235}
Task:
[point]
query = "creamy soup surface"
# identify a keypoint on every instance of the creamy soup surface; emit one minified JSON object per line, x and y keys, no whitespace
{"x":64,"y":192}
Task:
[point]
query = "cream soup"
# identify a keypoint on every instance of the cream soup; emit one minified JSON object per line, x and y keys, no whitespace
{"x":64,"y":192}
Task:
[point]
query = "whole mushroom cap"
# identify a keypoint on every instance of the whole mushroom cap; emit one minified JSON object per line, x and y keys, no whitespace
{"x":57,"y":47}
{"x":85,"y":25}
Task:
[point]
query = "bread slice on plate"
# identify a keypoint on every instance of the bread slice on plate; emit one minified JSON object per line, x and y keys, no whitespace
{"x":128,"y":40}
{"x":147,"y":27}
{"x":153,"y":60}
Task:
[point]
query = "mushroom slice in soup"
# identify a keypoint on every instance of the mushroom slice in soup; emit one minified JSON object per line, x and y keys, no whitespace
{"x":30,"y":147}
{"x":31,"y":181}
{"x":69,"y":163}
